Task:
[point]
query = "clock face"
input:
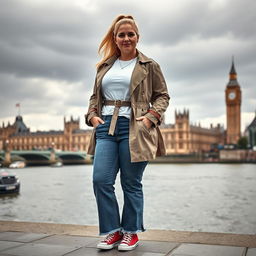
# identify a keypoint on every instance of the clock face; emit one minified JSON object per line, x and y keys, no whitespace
{"x":231,"y":95}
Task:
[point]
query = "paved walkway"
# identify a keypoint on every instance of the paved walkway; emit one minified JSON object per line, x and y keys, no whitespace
{"x":15,"y":242}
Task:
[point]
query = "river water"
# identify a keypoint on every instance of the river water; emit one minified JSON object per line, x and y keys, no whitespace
{"x":190,"y":197}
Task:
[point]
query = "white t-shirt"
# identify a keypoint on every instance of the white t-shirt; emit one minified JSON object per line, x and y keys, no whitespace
{"x":116,"y":86}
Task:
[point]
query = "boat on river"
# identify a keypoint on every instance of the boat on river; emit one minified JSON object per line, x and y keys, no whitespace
{"x":17,"y":164}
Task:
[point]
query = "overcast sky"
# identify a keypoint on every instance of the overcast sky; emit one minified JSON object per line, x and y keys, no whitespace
{"x":48,"y":52}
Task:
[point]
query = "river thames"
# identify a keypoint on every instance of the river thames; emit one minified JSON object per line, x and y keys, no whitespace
{"x":190,"y":197}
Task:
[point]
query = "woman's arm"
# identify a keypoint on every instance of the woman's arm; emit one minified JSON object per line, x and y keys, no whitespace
{"x":92,"y":109}
{"x":160,"y":97}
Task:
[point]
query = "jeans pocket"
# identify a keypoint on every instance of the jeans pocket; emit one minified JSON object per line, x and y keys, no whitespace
{"x":98,"y":125}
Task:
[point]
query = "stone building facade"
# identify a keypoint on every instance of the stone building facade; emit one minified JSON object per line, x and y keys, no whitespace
{"x":19,"y":137}
{"x":185,"y":138}
{"x":180,"y":137}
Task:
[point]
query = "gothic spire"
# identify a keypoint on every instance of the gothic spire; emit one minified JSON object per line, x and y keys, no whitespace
{"x":232,"y":74}
{"x":232,"y":70}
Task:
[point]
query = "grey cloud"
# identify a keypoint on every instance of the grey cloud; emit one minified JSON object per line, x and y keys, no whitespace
{"x":45,"y":41}
{"x":199,"y":18}
{"x":15,"y":90}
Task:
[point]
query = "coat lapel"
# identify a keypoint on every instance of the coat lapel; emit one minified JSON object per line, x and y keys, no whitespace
{"x":104,"y":69}
{"x":140,"y":72}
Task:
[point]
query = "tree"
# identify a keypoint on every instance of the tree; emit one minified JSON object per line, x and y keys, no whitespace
{"x":242,"y":143}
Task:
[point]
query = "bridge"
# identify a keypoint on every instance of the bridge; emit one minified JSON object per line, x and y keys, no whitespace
{"x":46,"y":157}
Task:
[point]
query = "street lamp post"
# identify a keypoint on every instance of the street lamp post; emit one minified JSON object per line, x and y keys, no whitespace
{"x":7,"y":155}
{"x":53,"y":155}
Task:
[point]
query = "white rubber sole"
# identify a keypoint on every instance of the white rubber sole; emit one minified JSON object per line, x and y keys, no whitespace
{"x":125,"y":247}
{"x":106,"y":246}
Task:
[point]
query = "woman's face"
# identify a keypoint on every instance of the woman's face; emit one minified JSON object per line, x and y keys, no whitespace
{"x":126,"y":40}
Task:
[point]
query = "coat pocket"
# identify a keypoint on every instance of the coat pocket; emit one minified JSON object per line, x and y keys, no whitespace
{"x":146,"y":138}
{"x":141,"y":108}
{"x":149,"y":133}
{"x":143,"y":127}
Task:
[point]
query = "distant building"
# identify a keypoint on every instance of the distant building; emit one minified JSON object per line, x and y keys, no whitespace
{"x":19,"y":137}
{"x":250,"y":133}
{"x":185,"y":138}
{"x":180,"y":138}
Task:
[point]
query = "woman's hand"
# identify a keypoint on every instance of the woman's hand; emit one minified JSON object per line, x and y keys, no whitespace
{"x":95,"y":121}
{"x":145,"y":120}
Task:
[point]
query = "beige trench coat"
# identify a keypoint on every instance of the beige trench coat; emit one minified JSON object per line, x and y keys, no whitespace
{"x":149,"y":97}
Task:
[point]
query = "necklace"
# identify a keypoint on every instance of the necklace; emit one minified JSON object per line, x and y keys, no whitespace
{"x":129,"y":63}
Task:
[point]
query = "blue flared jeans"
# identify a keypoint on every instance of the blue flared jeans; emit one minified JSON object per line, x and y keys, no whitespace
{"x":112,"y":155}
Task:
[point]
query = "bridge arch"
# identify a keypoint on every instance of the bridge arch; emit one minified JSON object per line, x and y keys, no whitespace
{"x":33,"y":157}
{"x":71,"y":157}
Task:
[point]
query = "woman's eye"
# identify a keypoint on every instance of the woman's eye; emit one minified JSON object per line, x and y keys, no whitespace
{"x":131,"y":34}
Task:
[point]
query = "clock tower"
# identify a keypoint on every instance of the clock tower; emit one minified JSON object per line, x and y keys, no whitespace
{"x":233,"y":105}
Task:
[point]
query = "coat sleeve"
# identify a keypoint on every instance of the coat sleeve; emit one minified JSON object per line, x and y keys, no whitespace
{"x":160,"y":97}
{"x":92,"y":109}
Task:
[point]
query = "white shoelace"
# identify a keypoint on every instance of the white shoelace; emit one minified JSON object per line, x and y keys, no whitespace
{"x":127,"y":238}
{"x":109,"y":237}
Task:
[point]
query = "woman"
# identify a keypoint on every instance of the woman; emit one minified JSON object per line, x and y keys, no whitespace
{"x":125,"y":109}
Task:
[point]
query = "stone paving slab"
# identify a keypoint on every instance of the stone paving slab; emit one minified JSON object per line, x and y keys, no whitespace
{"x":21,"y":236}
{"x":156,"y":247}
{"x":7,"y":245}
{"x":208,"y":250}
{"x":68,"y":240}
{"x":251,"y":252}
{"x":4,"y":255}
{"x":148,"y":246}
{"x":31,"y":249}
{"x":49,"y":248}
{"x":113,"y":252}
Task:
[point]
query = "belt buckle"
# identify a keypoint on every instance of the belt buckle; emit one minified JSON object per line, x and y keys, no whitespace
{"x":118,"y":103}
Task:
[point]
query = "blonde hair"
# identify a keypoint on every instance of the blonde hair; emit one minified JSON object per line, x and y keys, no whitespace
{"x":108,"y":47}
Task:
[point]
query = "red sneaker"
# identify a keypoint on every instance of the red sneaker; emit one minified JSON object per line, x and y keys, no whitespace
{"x":110,"y":241}
{"x":129,"y":242}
